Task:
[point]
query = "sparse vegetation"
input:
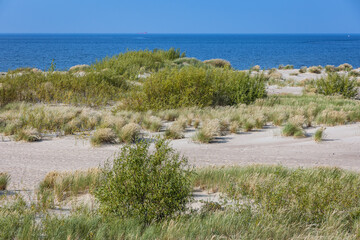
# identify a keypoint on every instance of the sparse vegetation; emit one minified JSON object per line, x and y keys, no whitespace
{"x":220,"y":63}
{"x":4,"y":180}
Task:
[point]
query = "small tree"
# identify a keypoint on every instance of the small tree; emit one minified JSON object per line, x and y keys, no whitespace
{"x":144,"y":185}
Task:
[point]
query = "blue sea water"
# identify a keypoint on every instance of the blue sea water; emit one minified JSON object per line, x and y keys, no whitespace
{"x":242,"y":50}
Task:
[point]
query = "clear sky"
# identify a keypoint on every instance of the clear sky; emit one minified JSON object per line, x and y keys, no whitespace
{"x":180,"y":16}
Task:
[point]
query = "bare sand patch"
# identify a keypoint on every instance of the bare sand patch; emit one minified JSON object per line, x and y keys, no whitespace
{"x":28,"y":163}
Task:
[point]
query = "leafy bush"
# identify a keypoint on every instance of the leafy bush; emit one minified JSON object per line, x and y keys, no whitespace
{"x":345,"y":67}
{"x":190,"y":86}
{"x":336,"y":84}
{"x":148,"y":186}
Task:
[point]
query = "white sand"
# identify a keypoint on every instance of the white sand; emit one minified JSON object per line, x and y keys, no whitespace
{"x":28,"y":163}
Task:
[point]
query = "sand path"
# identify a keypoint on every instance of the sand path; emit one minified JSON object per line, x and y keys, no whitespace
{"x":28,"y":163}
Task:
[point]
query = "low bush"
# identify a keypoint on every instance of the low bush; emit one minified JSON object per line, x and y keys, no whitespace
{"x":190,"y":86}
{"x":337,"y":84}
{"x":143,"y":185}
{"x":175,"y":131}
{"x":152,"y":124}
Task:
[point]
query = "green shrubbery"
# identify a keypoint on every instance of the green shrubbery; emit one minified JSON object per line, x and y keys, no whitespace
{"x":130,"y":64}
{"x":190,"y":86}
{"x":144,"y":185}
{"x":336,"y":84}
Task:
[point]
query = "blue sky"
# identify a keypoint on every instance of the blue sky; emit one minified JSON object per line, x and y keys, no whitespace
{"x":180,"y":16}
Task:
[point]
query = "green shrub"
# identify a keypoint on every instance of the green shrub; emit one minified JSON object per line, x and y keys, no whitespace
{"x":330,"y":68}
{"x":4,"y":180}
{"x":293,"y":130}
{"x":336,"y":84}
{"x":152,"y":124}
{"x":148,"y":186}
{"x":128,"y":65}
{"x":190,"y":86}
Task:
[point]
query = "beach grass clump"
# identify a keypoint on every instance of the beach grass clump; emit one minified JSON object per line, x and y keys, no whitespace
{"x":255,"y":68}
{"x":292,"y":130}
{"x":234,"y":127}
{"x":319,"y":134}
{"x":331,"y":69}
{"x":275,"y":75}
{"x":148,"y":186}
{"x":28,"y":135}
{"x":209,"y":130}
{"x":332,"y":117}
{"x":102,"y":136}
{"x":248,"y":125}
{"x":130,"y":133}
{"x":337,"y":84}
{"x":152,"y":124}
{"x":219,"y":63}
{"x":303,"y":70}
{"x":4,"y":180}
{"x":175,"y":131}
{"x":315,"y":69}
{"x":65,"y":184}
{"x":345,"y":67}
{"x":287,"y":67}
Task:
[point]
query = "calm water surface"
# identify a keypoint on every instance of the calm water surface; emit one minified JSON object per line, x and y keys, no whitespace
{"x":243,"y":51}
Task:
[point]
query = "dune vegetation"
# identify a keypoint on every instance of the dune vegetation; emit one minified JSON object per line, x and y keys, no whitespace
{"x":259,"y":202}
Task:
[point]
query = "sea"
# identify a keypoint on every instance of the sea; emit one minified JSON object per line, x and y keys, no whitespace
{"x":242,"y":50}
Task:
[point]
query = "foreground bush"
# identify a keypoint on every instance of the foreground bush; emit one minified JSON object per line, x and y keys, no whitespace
{"x":143,"y":185}
{"x":336,"y":84}
{"x":190,"y":86}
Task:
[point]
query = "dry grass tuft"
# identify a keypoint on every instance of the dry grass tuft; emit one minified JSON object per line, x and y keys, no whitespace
{"x":103,"y":135}
{"x":130,"y":133}
{"x":315,"y":69}
{"x":28,"y":134}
